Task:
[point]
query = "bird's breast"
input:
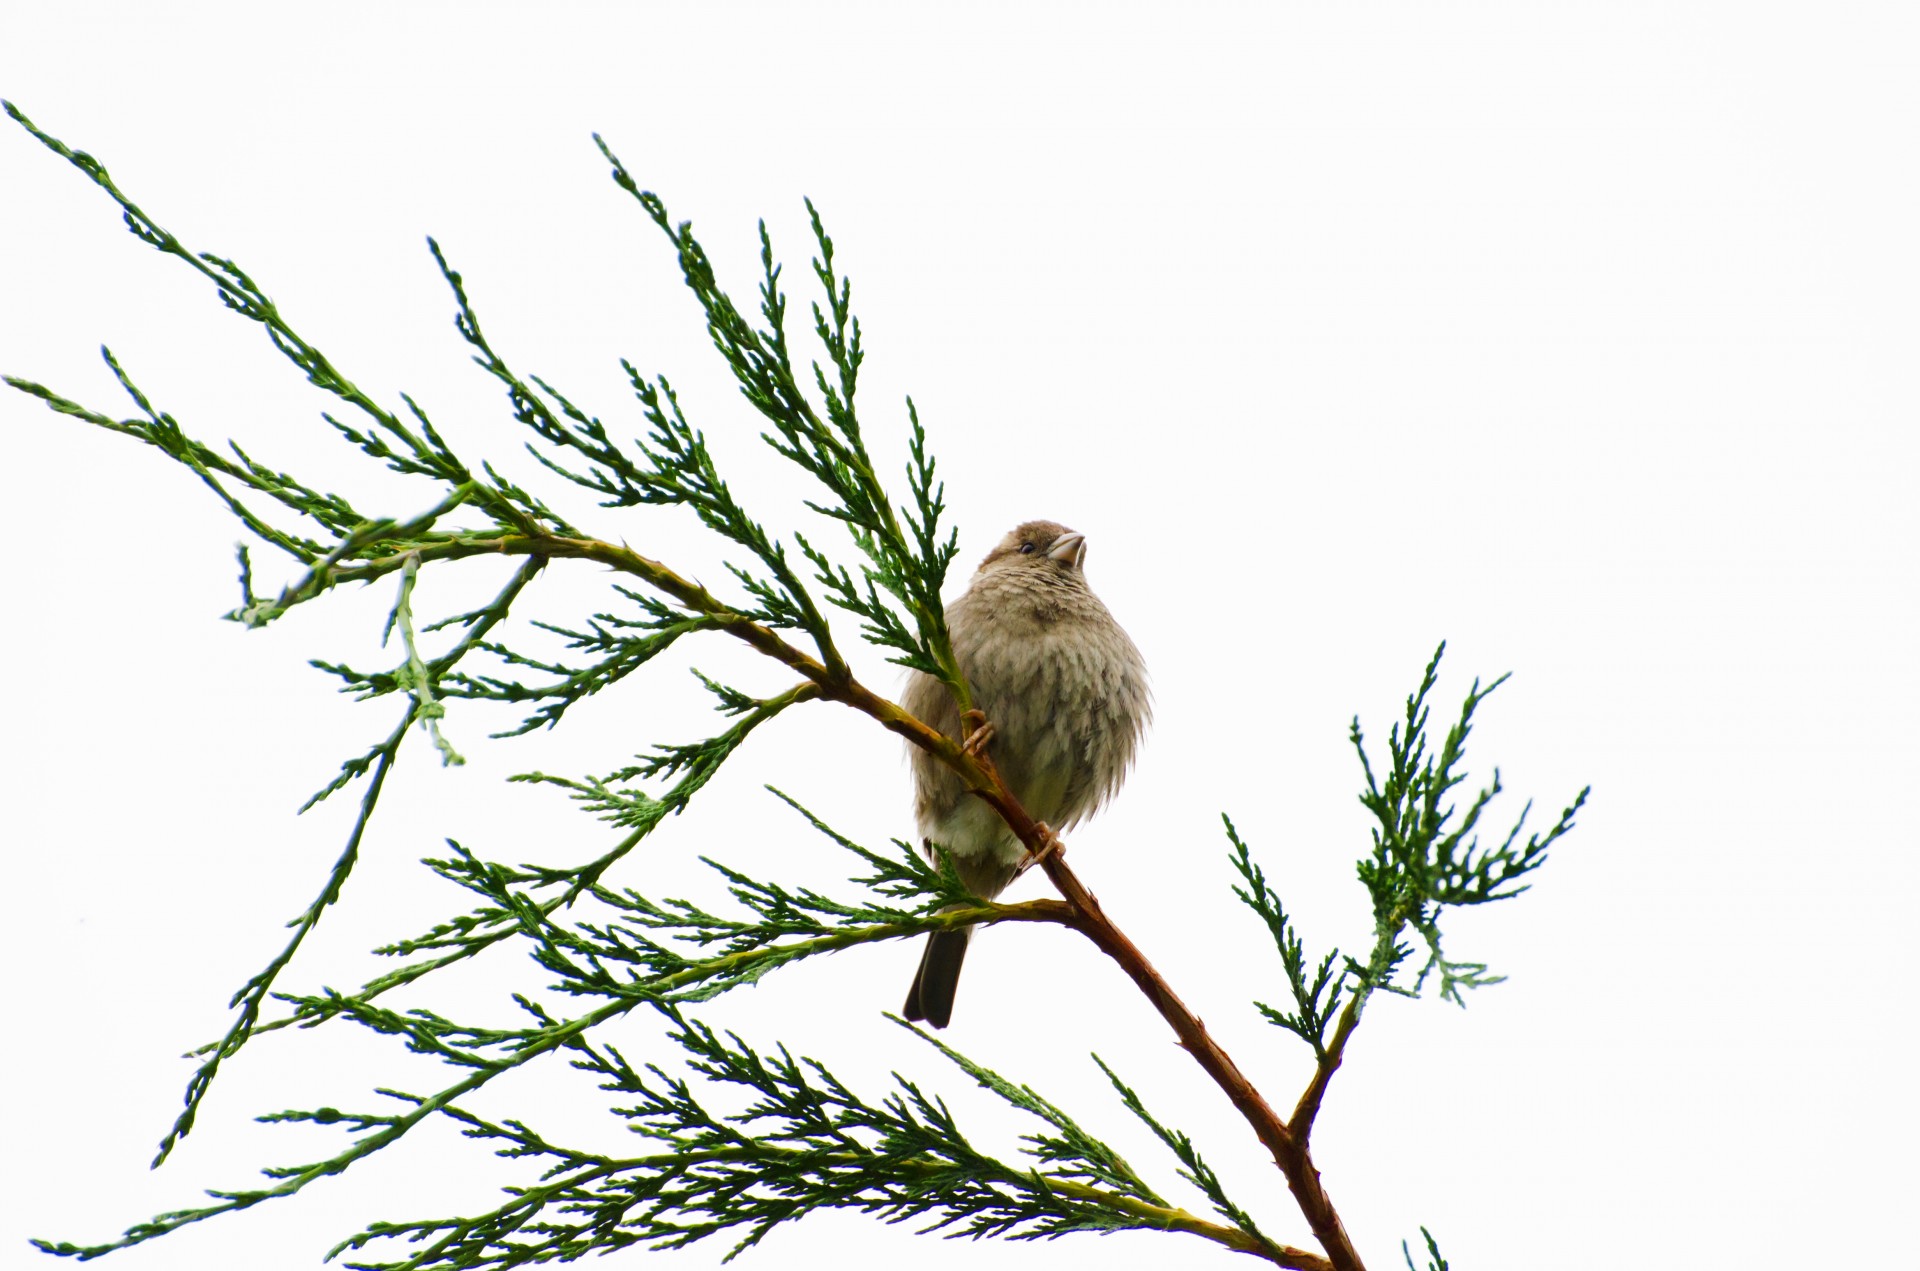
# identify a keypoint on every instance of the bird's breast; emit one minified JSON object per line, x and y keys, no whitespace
{"x":1066,"y":694}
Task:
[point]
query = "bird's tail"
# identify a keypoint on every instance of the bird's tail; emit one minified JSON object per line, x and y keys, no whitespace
{"x":931,"y":997}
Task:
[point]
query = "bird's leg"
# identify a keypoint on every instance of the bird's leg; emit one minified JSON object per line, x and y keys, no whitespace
{"x":1050,"y":845}
{"x":980,"y":733}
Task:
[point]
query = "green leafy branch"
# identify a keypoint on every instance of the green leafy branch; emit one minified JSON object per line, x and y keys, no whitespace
{"x":1426,"y":858}
{"x":341,"y":544}
{"x":623,"y":962}
{"x":1197,"y":1172}
{"x":803,"y":1142}
{"x":906,"y":564}
{"x":1314,"y":1004}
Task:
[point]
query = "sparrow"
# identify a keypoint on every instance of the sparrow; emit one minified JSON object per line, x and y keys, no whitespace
{"x":1064,"y":693}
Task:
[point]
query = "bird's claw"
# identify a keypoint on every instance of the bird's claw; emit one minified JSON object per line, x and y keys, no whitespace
{"x":1050,"y":845}
{"x":980,"y":734}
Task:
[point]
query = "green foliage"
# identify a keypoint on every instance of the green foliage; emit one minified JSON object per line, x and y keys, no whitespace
{"x":798,"y":1139}
{"x":1194,"y":1170}
{"x":1434,"y":1261}
{"x":337,"y":543}
{"x":803,"y":1141}
{"x":1424,"y":859}
{"x":1314,"y":1004}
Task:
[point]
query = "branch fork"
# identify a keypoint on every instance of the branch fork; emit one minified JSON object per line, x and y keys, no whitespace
{"x":1285,"y":1140}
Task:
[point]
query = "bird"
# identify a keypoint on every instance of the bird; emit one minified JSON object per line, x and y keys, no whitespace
{"x":1065,"y":699}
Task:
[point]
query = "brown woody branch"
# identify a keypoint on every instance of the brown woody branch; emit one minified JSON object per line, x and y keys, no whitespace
{"x":1289,"y":1150}
{"x":1286,"y":1141}
{"x":1300,"y":1124}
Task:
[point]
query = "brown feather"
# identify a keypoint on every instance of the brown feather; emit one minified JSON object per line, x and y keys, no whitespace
{"x":1066,"y":693}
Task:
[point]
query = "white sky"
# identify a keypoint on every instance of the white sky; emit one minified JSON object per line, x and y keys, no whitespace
{"x":1581,"y":336}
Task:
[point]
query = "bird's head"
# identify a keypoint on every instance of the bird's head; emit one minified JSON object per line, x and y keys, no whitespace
{"x":1039,"y":546}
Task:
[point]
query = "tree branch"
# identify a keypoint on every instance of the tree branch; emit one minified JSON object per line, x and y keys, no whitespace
{"x":1289,"y":1150}
{"x":1300,"y":1124}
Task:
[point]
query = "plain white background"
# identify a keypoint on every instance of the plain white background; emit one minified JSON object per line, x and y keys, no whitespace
{"x":1581,"y":336}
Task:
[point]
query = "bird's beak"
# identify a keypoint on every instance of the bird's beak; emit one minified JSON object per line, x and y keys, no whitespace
{"x":1069,"y":549}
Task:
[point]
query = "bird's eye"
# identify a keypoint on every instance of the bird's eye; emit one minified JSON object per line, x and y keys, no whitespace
{"x":1026,"y":549}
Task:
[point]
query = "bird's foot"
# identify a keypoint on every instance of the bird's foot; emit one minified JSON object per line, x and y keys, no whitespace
{"x":1050,"y":845}
{"x":981,"y":733}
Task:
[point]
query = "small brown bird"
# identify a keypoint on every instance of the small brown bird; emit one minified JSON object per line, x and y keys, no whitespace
{"x":1065,"y":696}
